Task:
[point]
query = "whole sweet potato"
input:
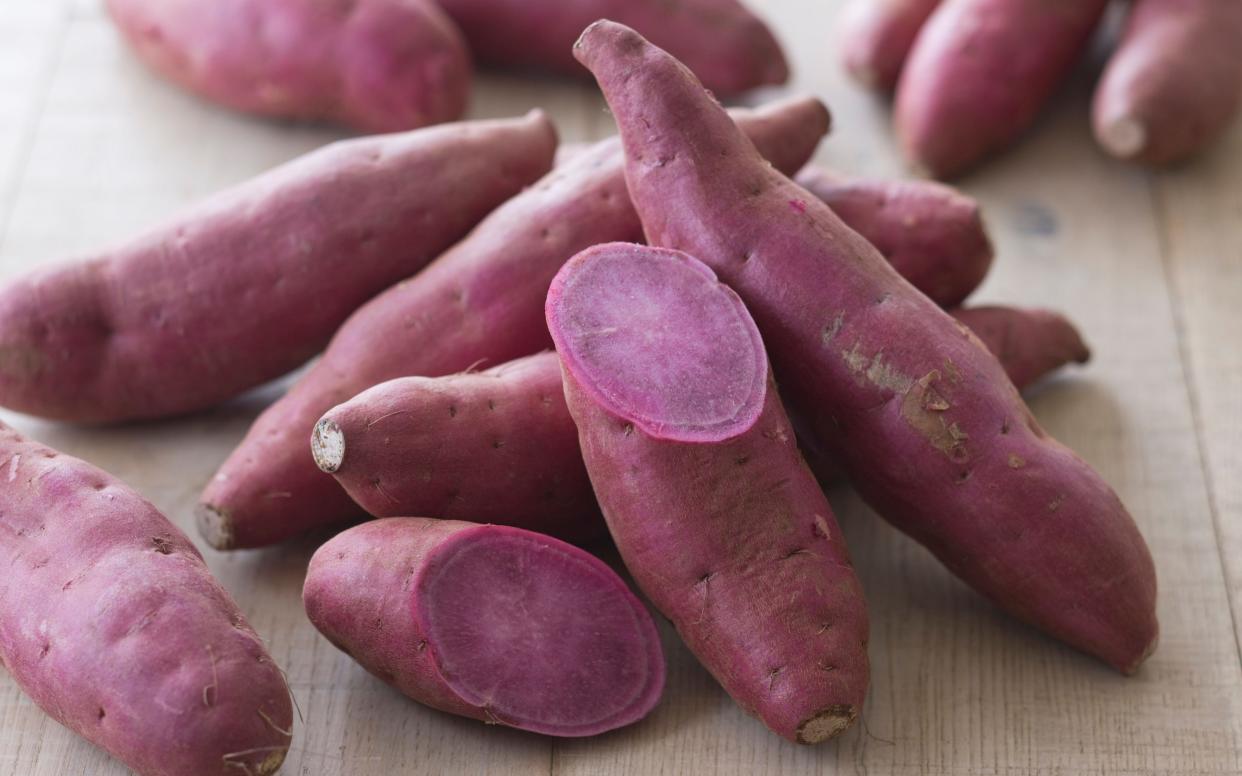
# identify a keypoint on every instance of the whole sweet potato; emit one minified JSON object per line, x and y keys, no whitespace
{"x":252,"y":283}
{"x":481,"y":303}
{"x":1175,"y":81}
{"x":980,"y":72}
{"x":932,"y":234}
{"x":505,"y":626}
{"x":112,"y":624}
{"x":921,"y":417}
{"x":699,"y":476}
{"x":377,"y":65}
{"x":730,"y":48}
{"x":877,"y":35}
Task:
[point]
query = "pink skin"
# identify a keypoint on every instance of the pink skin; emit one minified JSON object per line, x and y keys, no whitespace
{"x":376,"y":65}
{"x":922,"y":418}
{"x":981,"y":71}
{"x":701,"y":483}
{"x":479,"y":304}
{"x":253,"y":282}
{"x":721,"y":40}
{"x":932,"y":234}
{"x":501,"y":625}
{"x":1175,"y":81}
{"x":112,"y":624}
{"x":495,"y":446}
{"x":877,"y":35}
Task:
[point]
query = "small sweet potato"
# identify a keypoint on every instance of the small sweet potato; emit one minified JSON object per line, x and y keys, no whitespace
{"x":501,"y":625}
{"x":112,"y":624}
{"x":376,"y":65}
{"x":479,"y":304}
{"x":730,"y":48}
{"x":921,"y":417}
{"x":251,"y":283}
{"x":877,"y":35}
{"x":1175,"y":81}
{"x":980,"y":72}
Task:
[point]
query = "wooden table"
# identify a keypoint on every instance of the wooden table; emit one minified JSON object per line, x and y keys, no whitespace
{"x":93,"y":148}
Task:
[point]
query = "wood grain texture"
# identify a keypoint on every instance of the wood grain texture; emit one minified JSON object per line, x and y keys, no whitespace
{"x":93,"y":148}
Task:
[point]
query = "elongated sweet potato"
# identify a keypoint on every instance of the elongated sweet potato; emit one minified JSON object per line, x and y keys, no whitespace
{"x":980,"y":72}
{"x":252,"y":283}
{"x":377,"y":65}
{"x":112,"y":624}
{"x":923,"y":419}
{"x":481,"y":303}
{"x":877,"y":35}
{"x":1175,"y":81}
{"x":701,"y":483}
{"x":932,"y":234}
{"x":489,"y":622}
{"x":730,"y":48}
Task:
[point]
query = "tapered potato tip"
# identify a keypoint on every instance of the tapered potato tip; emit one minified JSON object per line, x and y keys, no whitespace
{"x":1124,"y":138}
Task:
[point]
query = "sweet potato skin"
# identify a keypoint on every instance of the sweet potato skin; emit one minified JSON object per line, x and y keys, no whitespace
{"x":376,"y":65}
{"x":730,"y":48}
{"x":112,"y":624}
{"x":932,"y":234}
{"x":1174,"y":83}
{"x":876,"y":37}
{"x":924,"y":421}
{"x":253,"y":282}
{"x":479,"y":304}
{"x":1028,"y":342}
{"x":980,"y":72}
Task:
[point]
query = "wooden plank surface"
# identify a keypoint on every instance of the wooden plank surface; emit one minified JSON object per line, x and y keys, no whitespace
{"x":93,"y":148}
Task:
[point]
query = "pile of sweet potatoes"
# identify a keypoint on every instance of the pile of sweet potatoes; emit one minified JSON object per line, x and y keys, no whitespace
{"x":662,"y":340}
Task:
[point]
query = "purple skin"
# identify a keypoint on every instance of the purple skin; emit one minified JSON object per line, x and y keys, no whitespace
{"x":698,"y":473}
{"x":922,"y":418}
{"x":479,"y":304}
{"x":494,"y":623}
{"x":112,"y":624}
{"x":729,"y":48}
{"x":253,"y":282}
{"x":1175,"y":81}
{"x":981,"y":71}
{"x":877,"y":35}
{"x":375,"y":65}
{"x":932,"y":234}
{"x":496,"y":446}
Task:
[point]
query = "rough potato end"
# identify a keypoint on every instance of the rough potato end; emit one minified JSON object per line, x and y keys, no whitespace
{"x":829,"y":723}
{"x":328,"y":445}
{"x":215,"y":526}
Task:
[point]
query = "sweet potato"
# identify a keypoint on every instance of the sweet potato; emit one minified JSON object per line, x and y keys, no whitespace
{"x":730,"y":48}
{"x":980,"y":72}
{"x":252,"y":283}
{"x":877,"y":35}
{"x":932,"y":234}
{"x":922,"y":418}
{"x":376,"y":65}
{"x":112,"y":624}
{"x":479,"y":304}
{"x":1175,"y":81}
{"x":705,"y":493}
{"x":489,"y":622}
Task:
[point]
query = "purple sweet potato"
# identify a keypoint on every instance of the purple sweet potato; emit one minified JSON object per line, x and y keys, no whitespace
{"x":705,"y":493}
{"x":377,"y":65}
{"x":922,"y":418}
{"x":932,"y":234}
{"x":980,"y":72}
{"x":495,"y":446}
{"x":877,"y":35}
{"x":480,"y":304}
{"x":253,"y":282}
{"x":1028,"y":342}
{"x":502,"y":625}
{"x":729,"y":48}
{"x":112,"y":624}
{"x":1175,"y":81}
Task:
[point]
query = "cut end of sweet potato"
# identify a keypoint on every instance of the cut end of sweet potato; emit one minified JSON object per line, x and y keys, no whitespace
{"x":215,"y":526}
{"x":829,"y":723}
{"x":1124,"y":138}
{"x":328,"y":445}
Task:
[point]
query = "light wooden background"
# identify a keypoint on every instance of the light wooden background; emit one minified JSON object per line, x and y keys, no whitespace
{"x":93,"y":148}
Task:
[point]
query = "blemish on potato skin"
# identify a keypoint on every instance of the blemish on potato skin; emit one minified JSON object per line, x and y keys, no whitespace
{"x":1016,"y":461}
